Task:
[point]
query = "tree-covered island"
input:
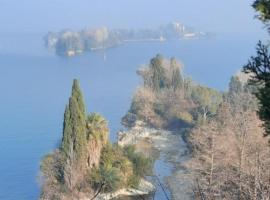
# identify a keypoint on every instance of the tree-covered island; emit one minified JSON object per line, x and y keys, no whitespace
{"x":70,"y":43}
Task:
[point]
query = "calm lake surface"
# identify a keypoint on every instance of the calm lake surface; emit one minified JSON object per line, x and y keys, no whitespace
{"x":35,"y":86}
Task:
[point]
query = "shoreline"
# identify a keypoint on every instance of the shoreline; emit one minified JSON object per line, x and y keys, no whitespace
{"x":173,"y":152}
{"x":73,"y":53}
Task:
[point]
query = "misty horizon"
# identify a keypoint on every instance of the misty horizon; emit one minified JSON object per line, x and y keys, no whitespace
{"x":31,"y":16}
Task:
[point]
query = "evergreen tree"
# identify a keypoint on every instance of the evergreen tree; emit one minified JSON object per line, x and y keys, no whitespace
{"x":177,"y":79}
{"x":263,"y":9}
{"x":158,"y":73}
{"x":259,"y":67}
{"x":67,"y":132}
{"x":78,"y":96}
{"x":74,"y":131}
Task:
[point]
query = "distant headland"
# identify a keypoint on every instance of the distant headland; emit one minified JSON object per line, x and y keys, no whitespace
{"x":71,"y":43}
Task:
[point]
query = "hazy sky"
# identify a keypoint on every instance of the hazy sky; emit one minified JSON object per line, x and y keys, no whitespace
{"x":219,"y":16}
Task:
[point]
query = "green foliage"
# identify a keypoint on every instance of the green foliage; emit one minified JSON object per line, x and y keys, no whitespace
{"x":259,"y":68}
{"x":52,"y":167}
{"x":77,"y":95}
{"x":185,"y":116}
{"x":263,"y":9}
{"x":79,"y":130}
{"x":157,"y":69}
{"x":162,"y":76}
{"x":67,"y":132}
{"x":65,"y":170}
{"x":170,"y":100}
{"x":106,"y":175}
{"x":207,"y":100}
{"x":74,"y":129}
{"x":119,"y":168}
{"x":141,"y":165}
{"x":113,"y":155}
{"x":133,"y":181}
{"x":177,"y":79}
{"x":97,"y":127}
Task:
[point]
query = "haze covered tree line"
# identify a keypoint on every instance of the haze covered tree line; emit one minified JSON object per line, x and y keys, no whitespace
{"x":70,"y":42}
{"x":86,"y":163}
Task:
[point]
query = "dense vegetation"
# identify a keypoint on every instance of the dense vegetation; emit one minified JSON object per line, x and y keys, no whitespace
{"x":73,"y":42}
{"x":86,"y":162}
{"x":231,"y":158}
{"x":168,"y":99}
{"x":230,"y":155}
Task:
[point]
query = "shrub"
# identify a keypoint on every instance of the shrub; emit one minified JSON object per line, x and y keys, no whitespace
{"x":141,"y":165}
{"x":107,"y":176}
{"x":185,"y":116}
{"x":133,"y":181}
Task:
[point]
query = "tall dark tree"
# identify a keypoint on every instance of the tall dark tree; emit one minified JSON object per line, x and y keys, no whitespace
{"x":259,"y":68}
{"x":74,"y":129}
{"x":158,"y":71}
{"x":78,"y":96}
{"x":177,"y":79}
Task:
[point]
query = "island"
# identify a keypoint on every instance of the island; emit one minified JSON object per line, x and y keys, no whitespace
{"x":71,"y":43}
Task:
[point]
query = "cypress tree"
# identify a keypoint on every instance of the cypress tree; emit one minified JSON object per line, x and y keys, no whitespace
{"x":158,"y":77}
{"x":78,"y":96}
{"x":67,"y":132}
{"x":74,"y":129}
{"x":177,"y":80}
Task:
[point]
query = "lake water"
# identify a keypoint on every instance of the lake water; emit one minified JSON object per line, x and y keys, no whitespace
{"x":35,"y":86}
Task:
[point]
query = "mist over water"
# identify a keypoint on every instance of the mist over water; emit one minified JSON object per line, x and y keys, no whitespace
{"x":36,"y":84}
{"x":231,"y":17}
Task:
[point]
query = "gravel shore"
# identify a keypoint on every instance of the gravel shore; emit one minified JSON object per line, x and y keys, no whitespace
{"x":172,"y":149}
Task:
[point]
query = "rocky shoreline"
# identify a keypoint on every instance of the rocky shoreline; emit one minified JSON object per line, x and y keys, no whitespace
{"x":172,"y":149}
{"x":145,"y":188}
